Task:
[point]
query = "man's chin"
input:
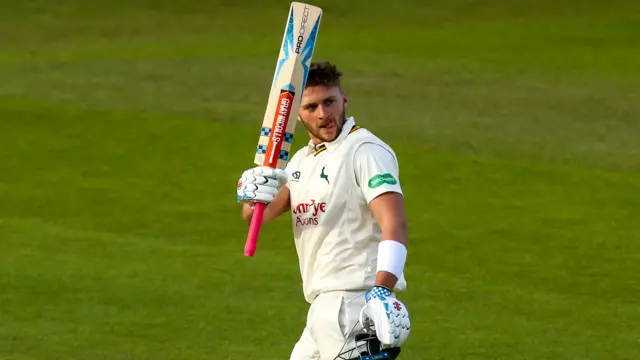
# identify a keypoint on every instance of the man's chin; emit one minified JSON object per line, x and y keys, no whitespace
{"x":328,"y":135}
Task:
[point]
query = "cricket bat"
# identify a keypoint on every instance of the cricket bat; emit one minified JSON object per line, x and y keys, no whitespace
{"x":280,"y":118}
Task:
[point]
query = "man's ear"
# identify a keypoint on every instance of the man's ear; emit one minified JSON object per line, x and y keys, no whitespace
{"x":345,"y":99}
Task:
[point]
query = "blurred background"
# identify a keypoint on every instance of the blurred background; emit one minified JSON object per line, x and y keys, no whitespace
{"x":124,"y":126}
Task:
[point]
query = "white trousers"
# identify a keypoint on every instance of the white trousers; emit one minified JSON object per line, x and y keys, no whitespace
{"x":331,"y":318}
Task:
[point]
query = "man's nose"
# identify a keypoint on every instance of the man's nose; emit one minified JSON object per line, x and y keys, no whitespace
{"x":322,"y":111}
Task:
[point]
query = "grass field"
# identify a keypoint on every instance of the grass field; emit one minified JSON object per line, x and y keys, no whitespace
{"x":124,"y":127}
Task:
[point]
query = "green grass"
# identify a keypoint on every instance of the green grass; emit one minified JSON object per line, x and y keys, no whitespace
{"x":124,"y":128}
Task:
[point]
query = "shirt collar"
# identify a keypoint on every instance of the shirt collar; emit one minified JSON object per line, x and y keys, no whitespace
{"x":349,"y":124}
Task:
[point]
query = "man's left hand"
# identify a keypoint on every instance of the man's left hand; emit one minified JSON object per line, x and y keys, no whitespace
{"x":389,"y":316}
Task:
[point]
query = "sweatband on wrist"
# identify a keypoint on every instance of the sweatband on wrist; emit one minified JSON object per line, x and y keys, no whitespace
{"x":392,"y":256}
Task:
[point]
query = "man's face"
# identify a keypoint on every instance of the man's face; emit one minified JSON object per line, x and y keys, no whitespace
{"x":322,"y":112}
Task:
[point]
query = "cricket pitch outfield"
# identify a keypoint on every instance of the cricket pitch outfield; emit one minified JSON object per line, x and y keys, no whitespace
{"x":124,"y":129}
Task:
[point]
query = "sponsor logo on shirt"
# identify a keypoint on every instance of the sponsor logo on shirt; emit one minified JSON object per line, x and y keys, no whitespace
{"x":296,"y":176}
{"x":382,"y":179}
{"x":308,"y":213}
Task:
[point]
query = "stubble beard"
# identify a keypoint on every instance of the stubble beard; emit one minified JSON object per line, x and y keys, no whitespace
{"x":316,"y":131}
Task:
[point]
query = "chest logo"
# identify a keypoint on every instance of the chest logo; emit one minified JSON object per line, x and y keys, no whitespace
{"x":296,"y":175}
{"x":323,"y":175}
{"x":309,"y":213}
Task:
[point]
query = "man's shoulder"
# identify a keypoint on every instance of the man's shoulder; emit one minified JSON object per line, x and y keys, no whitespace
{"x":299,"y":154}
{"x":363,"y":136}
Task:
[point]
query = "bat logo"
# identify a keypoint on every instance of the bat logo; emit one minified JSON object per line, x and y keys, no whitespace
{"x":280,"y":120}
{"x":303,"y":29}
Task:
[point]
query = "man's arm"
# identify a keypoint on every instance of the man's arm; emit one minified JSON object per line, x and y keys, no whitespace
{"x":389,"y":211}
{"x":377,"y":174}
{"x":277,"y":207}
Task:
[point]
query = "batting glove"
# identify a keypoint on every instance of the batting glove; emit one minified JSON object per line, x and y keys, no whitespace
{"x":260,"y":184}
{"x":389,"y":316}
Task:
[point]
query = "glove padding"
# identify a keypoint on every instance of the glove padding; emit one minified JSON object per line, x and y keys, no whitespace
{"x":260,"y":184}
{"x":389,"y":316}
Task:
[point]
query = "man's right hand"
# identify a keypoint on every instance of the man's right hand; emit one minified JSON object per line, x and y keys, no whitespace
{"x":260,"y":184}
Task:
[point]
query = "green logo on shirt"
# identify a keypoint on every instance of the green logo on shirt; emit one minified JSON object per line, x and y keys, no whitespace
{"x":380,"y":179}
{"x":323,"y":175}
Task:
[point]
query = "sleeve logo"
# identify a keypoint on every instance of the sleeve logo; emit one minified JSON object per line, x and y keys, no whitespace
{"x":381,"y":179}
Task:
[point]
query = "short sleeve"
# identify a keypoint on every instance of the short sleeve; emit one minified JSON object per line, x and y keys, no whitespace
{"x":376,"y":171}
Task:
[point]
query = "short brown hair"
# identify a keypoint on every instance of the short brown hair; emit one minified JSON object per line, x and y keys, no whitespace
{"x":323,"y":73}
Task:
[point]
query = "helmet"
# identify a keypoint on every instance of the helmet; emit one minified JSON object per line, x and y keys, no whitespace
{"x":367,"y":345}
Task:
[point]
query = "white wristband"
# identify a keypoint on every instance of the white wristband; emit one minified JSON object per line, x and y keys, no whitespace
{"x":392,"y":256}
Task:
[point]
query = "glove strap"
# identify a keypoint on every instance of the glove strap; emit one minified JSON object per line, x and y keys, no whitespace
{"x":378,"y":291}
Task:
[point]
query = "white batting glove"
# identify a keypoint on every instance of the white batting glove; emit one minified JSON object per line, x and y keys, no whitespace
{"x":260,"y":184}
{"x":389,"y":316}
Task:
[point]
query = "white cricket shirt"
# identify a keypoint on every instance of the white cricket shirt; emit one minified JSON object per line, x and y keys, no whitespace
{"x":331,"y":185}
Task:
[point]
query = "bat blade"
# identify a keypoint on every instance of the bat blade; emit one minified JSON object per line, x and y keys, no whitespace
{"x":280,"y":118}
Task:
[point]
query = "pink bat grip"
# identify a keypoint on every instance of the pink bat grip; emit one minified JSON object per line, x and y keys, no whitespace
{"x":254,"y":229}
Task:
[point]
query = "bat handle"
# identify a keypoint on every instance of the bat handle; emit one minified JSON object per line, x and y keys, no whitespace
{"x":254,"y":229}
